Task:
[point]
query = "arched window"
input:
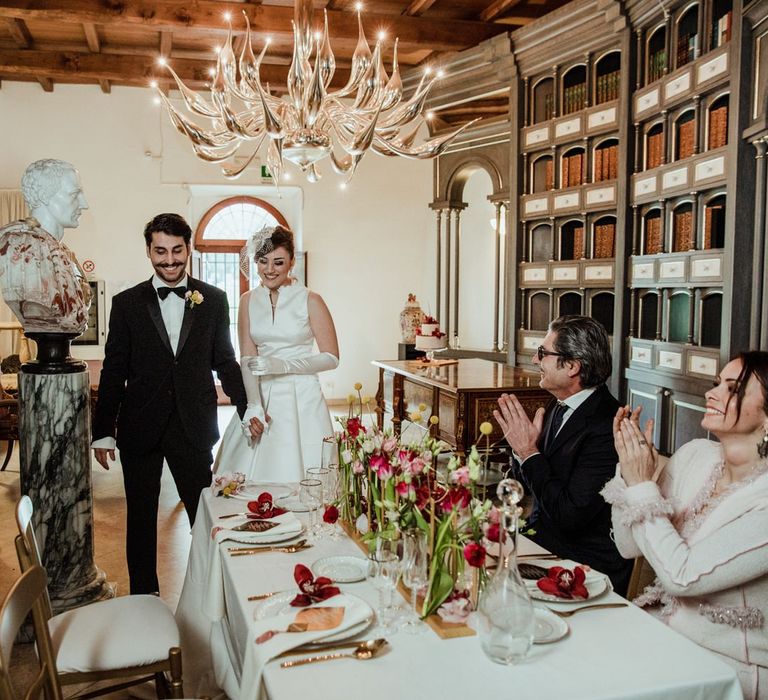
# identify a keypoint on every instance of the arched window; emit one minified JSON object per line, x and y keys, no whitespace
{"x":219,"y":237}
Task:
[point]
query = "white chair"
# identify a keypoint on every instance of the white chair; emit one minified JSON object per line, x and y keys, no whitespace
{"x":132,"y":639}
{"x":25,"y":596}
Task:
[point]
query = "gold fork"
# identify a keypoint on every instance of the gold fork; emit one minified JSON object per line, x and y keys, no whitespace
{"x":573,"y":611}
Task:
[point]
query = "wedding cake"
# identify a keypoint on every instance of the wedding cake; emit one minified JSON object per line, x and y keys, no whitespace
{"x":429,"y":336}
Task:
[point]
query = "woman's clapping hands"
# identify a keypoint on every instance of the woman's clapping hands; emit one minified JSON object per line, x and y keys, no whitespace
{"x":638,"y":458}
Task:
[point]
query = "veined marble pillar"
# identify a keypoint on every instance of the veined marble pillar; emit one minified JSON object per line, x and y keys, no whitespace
{"x":55,"y":466}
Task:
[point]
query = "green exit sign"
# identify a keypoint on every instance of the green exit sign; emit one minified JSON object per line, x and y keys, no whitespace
{"x":265,"y":174}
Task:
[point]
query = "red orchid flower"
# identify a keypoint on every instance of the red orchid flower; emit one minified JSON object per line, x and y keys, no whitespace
{"x":263,"y":507}
{"x":331,"y":514}
{"x":564,"y":583}
{"x":475,"y":553}
{"x":355,"y":427}
{"x":312,"y":589}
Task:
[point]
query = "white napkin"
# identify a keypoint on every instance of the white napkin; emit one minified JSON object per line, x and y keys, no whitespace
{"x":288,"y":525}
{"x":257,"y":656}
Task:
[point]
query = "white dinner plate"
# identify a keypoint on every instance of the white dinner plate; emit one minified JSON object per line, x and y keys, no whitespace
{"x":548,"y":627}
{"x":251,"y":491}
{"x":341,"y":569}
{"x":291,"y":502}
{"x":265,"y":537}
{"x":595,"y":582}
{"x":280,"y":604}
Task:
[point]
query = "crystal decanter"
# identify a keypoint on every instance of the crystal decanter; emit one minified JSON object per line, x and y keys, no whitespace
{"x":506,"y":623}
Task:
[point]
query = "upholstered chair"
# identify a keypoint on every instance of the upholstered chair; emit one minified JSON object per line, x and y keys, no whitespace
{"x":130,"y":640}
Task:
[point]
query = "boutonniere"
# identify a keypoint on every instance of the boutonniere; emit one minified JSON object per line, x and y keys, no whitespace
{"x":193,"y":298}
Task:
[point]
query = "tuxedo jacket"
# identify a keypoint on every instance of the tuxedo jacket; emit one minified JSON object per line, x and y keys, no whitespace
{"x":143,"y":382}
{"x":571,"y":517}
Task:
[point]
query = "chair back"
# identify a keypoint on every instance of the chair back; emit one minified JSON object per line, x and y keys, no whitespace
{"x":27,"y":549}
{"x":25,"y":596}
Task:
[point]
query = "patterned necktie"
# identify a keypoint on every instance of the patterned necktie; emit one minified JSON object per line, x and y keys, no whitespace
{"x":163,"y":292}
{"x":554,"y":425}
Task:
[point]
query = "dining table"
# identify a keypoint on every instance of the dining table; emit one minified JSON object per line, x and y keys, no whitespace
{"x":613,"y":652}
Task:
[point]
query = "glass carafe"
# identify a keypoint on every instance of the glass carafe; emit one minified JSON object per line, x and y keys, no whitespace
{"x":506,"y":622}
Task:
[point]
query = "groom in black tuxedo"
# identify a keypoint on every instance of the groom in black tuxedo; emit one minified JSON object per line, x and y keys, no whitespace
{"x":157,"y":399}
{"x":566,"y":454}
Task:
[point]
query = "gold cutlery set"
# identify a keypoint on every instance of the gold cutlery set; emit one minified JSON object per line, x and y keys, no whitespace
{"x":285,"y":549}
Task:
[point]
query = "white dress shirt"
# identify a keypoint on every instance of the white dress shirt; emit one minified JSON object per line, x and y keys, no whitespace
{"x":172,"y":310}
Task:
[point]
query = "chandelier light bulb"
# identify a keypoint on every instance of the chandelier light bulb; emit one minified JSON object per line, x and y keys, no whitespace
{"x":153,"y":84}
{"x":161,"y":61}
{"x":217,"y":49}
{"x":228,"y":16}
{"x":315,"y":120}
{"x":359,"y":6}
{"x":429,"y":115}
{"x":440,"y":73}
{"x":211,"y":72}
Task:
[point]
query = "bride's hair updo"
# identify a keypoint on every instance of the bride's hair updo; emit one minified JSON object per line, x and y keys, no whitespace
{"x":269,"y":238}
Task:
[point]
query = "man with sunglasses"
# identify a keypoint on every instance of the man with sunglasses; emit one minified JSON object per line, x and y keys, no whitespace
{"x":566,"y":454}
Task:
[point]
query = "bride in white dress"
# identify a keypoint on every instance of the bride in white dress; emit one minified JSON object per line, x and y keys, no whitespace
{"x":278,"y":324}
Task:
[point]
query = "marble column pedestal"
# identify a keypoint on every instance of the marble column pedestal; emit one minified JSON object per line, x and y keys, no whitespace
{"x":55,"y":466}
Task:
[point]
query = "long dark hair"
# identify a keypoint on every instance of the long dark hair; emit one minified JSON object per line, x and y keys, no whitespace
{"x":754,"y":363}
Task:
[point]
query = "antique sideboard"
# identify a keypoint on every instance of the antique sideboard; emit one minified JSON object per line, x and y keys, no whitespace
{"x":461,"y":395}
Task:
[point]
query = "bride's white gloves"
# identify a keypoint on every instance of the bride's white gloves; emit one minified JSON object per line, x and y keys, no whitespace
{"x":309,"y":364}
{"x":254,"y":408}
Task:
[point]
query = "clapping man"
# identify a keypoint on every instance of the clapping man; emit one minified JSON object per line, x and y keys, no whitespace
{"x":157,"y":400}
{"x":566,"y":454}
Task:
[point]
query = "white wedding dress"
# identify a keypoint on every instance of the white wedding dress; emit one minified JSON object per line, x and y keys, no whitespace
{"x":299,"y":416}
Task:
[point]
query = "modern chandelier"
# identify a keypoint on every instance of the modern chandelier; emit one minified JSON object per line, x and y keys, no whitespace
{"x":310,"y":123}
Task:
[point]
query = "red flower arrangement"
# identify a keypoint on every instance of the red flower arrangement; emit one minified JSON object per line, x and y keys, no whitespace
{"x":313,"y":590}
{"x":263,"y":508}
{"x":331,"y":514}
{"x":564,"y":583}
{"x":475,"y":553}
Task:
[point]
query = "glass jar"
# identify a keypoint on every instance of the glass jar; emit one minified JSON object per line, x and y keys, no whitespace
{"x":505,"y":611}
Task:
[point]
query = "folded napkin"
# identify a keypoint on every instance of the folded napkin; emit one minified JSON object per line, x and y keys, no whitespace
{"x":288,"y":524}
{"x":257,"y":656}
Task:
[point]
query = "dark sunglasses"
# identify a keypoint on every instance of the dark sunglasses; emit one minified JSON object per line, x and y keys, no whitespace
{"x":541,"y":353}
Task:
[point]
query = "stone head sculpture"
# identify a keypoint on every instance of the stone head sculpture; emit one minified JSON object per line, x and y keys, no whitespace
{"x":54,"y":195}
{"x":40,"y":278}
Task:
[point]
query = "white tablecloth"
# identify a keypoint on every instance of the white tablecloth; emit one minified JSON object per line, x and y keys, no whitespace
{"x":612,"y":653}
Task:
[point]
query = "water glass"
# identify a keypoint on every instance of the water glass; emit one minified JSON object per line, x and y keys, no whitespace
{"x":311,"y":496}
{"x":330,"y":454}
{"x":322,"y":475}
{"x":415,"y":572}
{"x":383,"y":572}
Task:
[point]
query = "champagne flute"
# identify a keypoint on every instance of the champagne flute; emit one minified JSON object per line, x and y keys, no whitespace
{"x":311,"y":496}
{"x":415,"y":572}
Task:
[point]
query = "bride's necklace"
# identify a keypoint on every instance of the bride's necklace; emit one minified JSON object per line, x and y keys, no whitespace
{"x":273,"y":300}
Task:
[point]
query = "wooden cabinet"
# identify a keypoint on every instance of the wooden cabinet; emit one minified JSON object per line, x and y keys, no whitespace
{"x":461,"y":395}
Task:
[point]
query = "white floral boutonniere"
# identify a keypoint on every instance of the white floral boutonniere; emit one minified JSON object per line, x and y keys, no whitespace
{"x":193,"y":298}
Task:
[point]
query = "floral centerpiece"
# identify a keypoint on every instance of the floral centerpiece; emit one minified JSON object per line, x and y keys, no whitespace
{"x":390,"y":484}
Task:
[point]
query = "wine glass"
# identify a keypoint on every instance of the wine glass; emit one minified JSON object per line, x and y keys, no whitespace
{"x":383,"y":571}
{"x":322,"y":475}
{"x":330,"y":454}
{"x":311,"y":496}
{"x":415,"y":572}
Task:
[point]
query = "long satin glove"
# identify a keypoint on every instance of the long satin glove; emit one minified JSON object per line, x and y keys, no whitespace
{"x":254,"y":408}
{"x":309,"y":364}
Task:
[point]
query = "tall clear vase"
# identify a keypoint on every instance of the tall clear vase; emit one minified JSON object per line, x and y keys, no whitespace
{"x":506,"y":621}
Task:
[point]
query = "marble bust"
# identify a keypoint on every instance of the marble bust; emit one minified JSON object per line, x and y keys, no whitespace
{"x":40,"y":278}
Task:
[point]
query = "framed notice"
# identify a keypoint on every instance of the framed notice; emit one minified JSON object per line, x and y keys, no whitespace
{"x":96,"y":333}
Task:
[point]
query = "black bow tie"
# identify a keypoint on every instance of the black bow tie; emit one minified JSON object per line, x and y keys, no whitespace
{"x":163,"y":292}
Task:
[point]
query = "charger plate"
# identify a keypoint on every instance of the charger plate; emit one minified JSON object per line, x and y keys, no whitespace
{"x":548,"y":627}
{"x":265,"y":538}
{"x":341,"y":569}
{"x":595,"y":583}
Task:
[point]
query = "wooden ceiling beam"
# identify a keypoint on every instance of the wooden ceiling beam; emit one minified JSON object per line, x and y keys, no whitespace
{"x":20,"y":32}
{"x":106,"y":86}
{"x":496,"y":9}
{"x":166,"y":44}
{"x":418,"y":7}
{"x":127,"y":70}
{"x":439,"y":34}
{"x":92,"y":37}
{"x":46,"y":83}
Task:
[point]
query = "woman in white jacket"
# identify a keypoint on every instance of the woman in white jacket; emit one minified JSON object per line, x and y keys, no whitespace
{"x":702,"y":522}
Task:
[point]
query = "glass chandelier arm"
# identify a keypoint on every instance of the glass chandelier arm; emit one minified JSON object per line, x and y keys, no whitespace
{"x":371,"y":84}
{"x":299,"y":72}
{"x":193,"y":101}
{"x":315,"y":93}
{"x":429,"y":149}
{"x":275,"y":158}
{"x":411,"y":109}
{"x":393,"y":90}
{"x":361,"y":59}
{"x":195,"y":133}
{"x":215,"y":155}
{"x":325,"y":58}
{"x":233,"y":173}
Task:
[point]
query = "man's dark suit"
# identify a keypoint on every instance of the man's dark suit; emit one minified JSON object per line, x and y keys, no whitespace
{"x":158,"y":405}
{"x":571,"y":517}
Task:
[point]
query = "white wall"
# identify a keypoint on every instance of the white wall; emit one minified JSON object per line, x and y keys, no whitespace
{"x":368,"y":245}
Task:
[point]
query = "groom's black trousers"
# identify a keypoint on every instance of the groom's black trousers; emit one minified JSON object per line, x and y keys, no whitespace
{"x":191,"y":470}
